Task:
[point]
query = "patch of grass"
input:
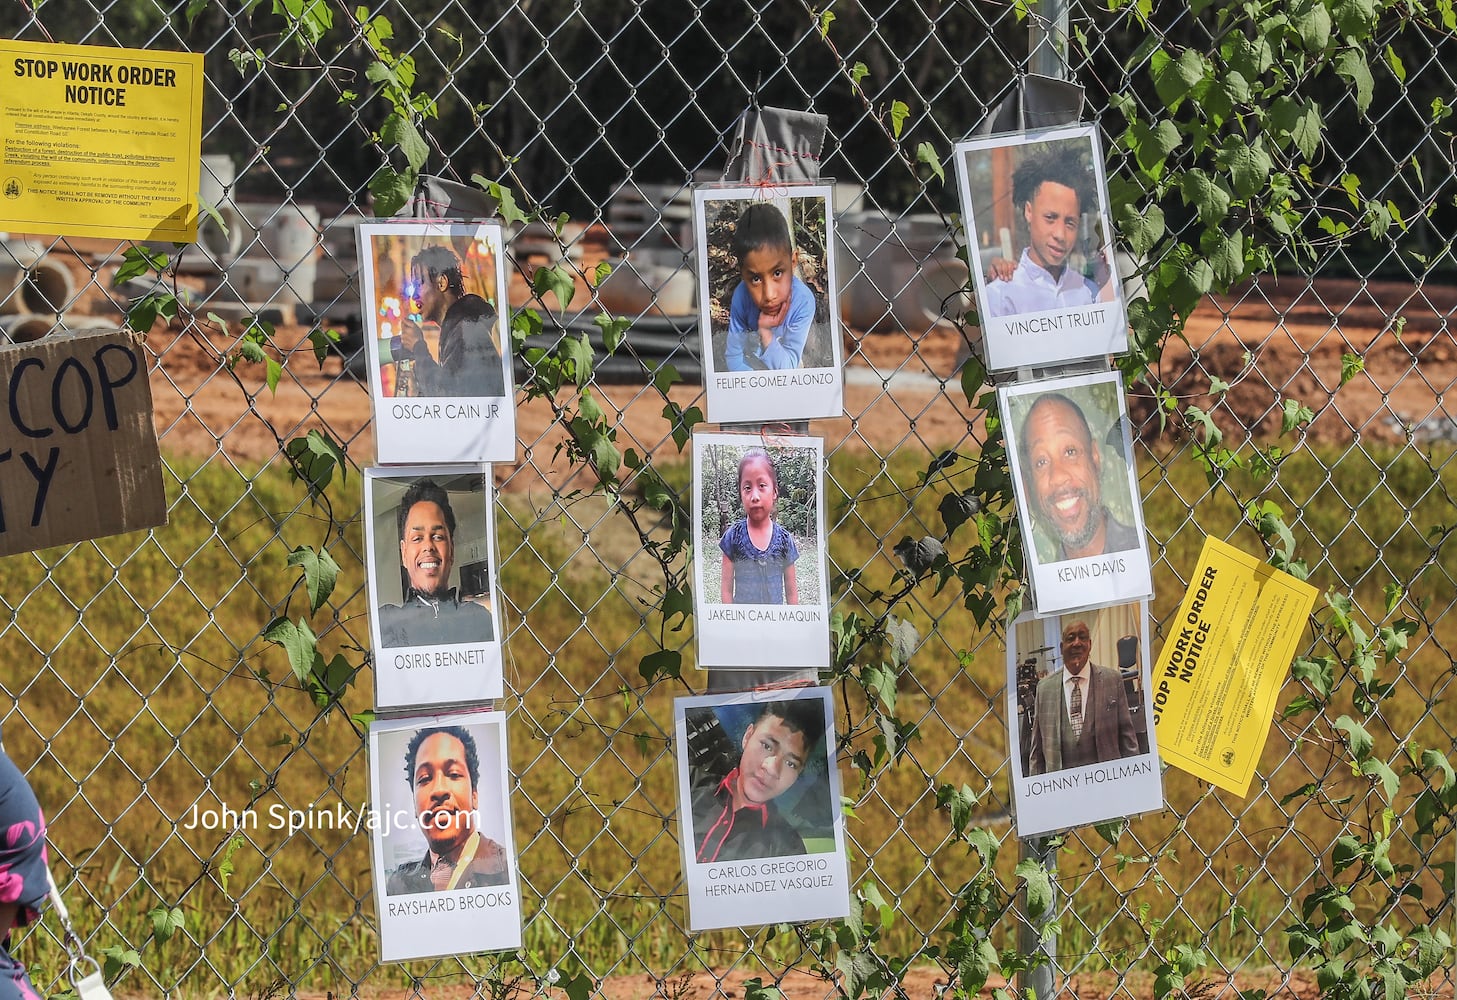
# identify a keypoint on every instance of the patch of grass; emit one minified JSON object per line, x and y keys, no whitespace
{"x":142,"y":690}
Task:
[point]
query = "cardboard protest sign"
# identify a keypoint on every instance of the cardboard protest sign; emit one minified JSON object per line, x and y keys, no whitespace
{"x":431,"y":543}
{"x":759,"y":814}
{"x":78,"y":450}
{"x":1079,"y":703}
{"x":1040,"y":245}
{"x":1220,"y":670}
{"x":100,"y":141}
{"x":768,"y":302}
{"x":443,"y":850}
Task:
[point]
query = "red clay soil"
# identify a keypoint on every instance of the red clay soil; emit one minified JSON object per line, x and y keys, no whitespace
{"x":1267,"y":348}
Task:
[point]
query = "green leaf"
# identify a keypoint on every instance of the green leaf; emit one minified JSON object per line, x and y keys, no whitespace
{"x":1358,"y":18}
{"x":614,"y":330}
{"x":275,"y":371}
{"x":579,"y":987}
{"x":1351,"y":366}
{"x":898,"y":113}
{"x":1357,"y":738}
{"x":973,"y":377}
{"x":1351,"y":67}
{"x":401,"y":132}
{"x":576,"y":353}
{"x":557,"y":279}
{"x":1293,"y":413}
{"x":298,"y":641}
{"x":391,"y":190}
{"x":858,"y":72}
{"x":663,"y":663}
{"x":1226,"y":255}
{"x":1383,"y":773}
{"x":1141,"y":227}
{"x":320,"y":573}
{"x":1248,"y":165}
{"x":1151,"y":146}
{"x":505,"y":200}
{"x":827,"y":18}
{"x":1206,"y":196}
{"x":1110,"y":831}
{"x":320,"y":338}
{"x":1175,"y":79}
{"x":314,"y":458}
{"x":926,"y":153}
{"x":1312,"y":23}
{"x":601,"y":272}
{"x":1038,"y":886}
{"x":166,"y":922}
{"x":960,"y":801}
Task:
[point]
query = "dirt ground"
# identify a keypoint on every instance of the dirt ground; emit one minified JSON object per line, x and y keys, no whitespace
{"x":1268,"y":347}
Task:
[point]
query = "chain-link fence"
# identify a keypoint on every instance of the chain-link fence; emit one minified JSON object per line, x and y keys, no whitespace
{"x":144,"y":701}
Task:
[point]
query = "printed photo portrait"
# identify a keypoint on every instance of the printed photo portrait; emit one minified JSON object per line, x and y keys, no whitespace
{"x":1080,"y":705}
{"x":436,"y":318}
{"x":1070,"y":449}
{"x":767,"y":302}
{"x":1041,"y":247}
{"x":760,"y":558}
{"x":431,"y":562}
{"x":442,"y":835}
{"x":759,"y":808}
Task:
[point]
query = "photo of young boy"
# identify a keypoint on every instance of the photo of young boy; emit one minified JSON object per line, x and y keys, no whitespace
{"x":759,"y":818}
{"x":1040,"y":246}
{"x":771,"y":340}
{"x":759,"y":556}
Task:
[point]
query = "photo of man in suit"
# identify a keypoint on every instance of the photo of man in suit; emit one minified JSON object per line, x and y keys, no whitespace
{"x":1081,"y":714}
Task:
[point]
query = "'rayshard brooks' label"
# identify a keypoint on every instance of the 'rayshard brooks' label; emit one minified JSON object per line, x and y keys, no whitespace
{"x":278,"y":816}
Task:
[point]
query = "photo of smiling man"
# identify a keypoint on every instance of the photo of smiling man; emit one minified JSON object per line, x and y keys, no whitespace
{"x":1040,"y":247}
{"x":1070,"y":449}
{"x":442,"y":837}
{"x":767,"y":301}
{"x":759,"y":818}
{"x":431,"y":547}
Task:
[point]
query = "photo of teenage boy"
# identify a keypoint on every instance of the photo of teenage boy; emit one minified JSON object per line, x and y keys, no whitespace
{"x":760,"y":516}
{"x":466,"y":361}
{"x":432,"y":611}
{"x":1052,"y":187}
{"x":768,"y":284}
{"x":738,"y":786}
{"x":443,"y":769}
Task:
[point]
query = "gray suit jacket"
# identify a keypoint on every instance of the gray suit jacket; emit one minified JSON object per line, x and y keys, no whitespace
{"x":1105,"y":710}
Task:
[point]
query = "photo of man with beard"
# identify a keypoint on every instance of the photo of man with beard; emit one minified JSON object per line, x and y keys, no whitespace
{"x":1063,"y":470}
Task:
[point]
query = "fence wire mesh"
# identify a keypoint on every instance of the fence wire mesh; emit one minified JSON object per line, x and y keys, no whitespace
{"x":141,"y":694}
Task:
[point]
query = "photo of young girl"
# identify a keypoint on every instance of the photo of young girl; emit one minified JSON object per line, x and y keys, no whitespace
{"x":758,"y":553}
{"x":767,"y":302}
{"x":759,"y":557}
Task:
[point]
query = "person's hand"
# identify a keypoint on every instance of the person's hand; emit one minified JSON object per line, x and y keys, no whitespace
{"x":766,"y":336}
{"x":1001,"y":269}
{"x":411,"y":335}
